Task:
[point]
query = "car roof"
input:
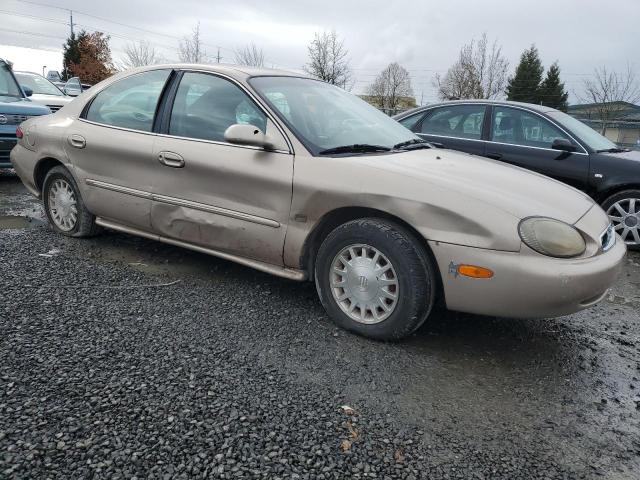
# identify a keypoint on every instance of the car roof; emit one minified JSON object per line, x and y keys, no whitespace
{"x":530,"y":106}
{"x":235,"y":71}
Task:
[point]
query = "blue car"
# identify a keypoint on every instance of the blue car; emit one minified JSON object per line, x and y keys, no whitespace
{"x":15,"y":108}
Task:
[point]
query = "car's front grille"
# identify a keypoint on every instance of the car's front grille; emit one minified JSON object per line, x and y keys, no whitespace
{"x":54,"y":108}
{"x":608,"y":238}
{"x":13,"y":119}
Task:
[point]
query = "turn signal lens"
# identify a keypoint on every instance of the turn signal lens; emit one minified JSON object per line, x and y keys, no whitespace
{"x":19,"y":133}
{"x":474,"y":271}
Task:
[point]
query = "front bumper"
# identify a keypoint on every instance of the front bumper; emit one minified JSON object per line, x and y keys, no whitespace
{"x":6,"y":144}
{"x":526,"y":284}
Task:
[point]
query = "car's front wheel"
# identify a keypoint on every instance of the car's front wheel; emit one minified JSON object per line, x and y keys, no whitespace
{"x":374,"y":278}
{"x":623,"y":209}
{"x":64,"y":206}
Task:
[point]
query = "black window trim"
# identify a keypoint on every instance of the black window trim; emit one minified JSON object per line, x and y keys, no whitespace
{"x":487,"y":139}
{"x":170,"y":98}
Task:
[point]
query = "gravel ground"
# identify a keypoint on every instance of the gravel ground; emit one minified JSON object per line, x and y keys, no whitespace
{"x":124,"y":358}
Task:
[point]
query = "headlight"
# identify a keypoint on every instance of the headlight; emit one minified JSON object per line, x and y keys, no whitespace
{"x":551,"y":237}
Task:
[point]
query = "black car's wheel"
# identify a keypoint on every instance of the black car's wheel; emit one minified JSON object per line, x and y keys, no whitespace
{"x":374,"y":278}
{"x":623,"y":209}
{"x":64,"y":206}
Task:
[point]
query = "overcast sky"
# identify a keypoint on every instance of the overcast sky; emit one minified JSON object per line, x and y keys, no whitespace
{"x":423,"y":35}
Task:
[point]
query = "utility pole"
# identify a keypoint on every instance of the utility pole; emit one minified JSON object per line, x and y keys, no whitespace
{"x":218,"y":57}
{"x":71,"y":21}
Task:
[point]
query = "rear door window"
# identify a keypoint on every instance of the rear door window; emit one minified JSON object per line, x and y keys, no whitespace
{"x":129,"y":103}
{"x":462,"y":121}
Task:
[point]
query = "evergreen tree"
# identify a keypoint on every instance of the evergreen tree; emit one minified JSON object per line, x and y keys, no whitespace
{"x":524,"y":86}
{"x":71,"y":53}
{"x":552,"y":92}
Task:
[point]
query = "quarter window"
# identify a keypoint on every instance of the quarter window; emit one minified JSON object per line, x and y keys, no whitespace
{"x":463,"y":121}
{"x":130,"y":102}
{"x":519,"y":127}
{"x":206,"y":105}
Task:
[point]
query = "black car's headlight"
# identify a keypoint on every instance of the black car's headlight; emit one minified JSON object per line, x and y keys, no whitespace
{"x":551,"y":237}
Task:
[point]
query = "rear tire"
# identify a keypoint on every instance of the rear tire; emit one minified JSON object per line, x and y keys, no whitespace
{"x":375,"y":279}
{"x":623,"y":209}
{"x":64,"y":207}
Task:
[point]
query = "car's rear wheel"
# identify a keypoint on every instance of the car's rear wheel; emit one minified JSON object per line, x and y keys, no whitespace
{"x":374,"y":278}
{"x":64,"y":206}
{"x":623,"y":209}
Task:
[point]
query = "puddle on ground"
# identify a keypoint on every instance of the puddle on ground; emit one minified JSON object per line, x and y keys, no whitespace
{"x":16,"y":222}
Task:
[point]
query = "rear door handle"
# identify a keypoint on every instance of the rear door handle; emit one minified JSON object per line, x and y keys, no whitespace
{"x":495,"y":156}
{"x":171,"y":159}
{"x":77,"y":141}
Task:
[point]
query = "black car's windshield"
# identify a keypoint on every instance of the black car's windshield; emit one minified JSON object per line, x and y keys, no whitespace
{"x":584,"y":132}
{"x":329,"y":120}
{"x":8,"y":85}
{"x":38,"y":84}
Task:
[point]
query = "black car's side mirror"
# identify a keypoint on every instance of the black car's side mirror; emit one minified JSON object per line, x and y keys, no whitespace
{"x":563,"y":145}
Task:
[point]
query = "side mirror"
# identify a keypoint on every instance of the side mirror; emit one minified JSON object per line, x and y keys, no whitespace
{"x":563,"y":145}
{"x":248,"y":135}
{"x":27,"y":91}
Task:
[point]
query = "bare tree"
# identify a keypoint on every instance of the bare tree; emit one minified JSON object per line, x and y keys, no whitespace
{"x":328,"y":60}
{"x":250,"y":56}
{"x":138,"y":55}
{"x":479,"y":72}
{"x":391,"y":86}
{"x":191,"y":50}
{"x":606,"y":90}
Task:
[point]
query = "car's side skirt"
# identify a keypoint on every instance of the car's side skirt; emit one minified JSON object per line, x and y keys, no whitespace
{"x":290,"y":273}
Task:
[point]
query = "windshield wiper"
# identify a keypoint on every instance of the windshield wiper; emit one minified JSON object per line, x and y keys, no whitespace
{"x":413,"y":144}
{"x":355,"y":148}
{"x":612,"y":150}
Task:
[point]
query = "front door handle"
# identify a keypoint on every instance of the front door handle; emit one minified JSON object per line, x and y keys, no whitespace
{"x":171,"y":159}
{"x":77,"y":141}
{"x":495,"y":156}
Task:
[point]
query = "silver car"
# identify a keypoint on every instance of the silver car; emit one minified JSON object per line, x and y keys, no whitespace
{"x":298,"y":178}
{"x":43,"y":92}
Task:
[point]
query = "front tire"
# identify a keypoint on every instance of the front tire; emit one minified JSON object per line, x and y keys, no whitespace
{"x":375,"y":279}
{"x":64,"y":207}
{"x":623,"y":209}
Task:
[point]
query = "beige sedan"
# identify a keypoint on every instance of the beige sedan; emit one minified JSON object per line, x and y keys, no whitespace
{"x":301,"y":179}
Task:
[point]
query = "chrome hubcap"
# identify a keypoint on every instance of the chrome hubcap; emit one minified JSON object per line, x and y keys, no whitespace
{"x":62,"y":205}
{"x":364,"y":283}
{"x":625,"y":215}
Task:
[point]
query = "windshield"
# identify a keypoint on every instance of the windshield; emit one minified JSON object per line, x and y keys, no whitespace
{"x":8,"y":86}
{"x":325,"y":117}
{"x":38,"y":84}
{"x":584,"y":132}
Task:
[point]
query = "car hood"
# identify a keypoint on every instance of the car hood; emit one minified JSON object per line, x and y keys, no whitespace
{"x":633,"y":155}
{"x":17,"y":106}
{"x":470,"y":178}
{"x":51,"y":99}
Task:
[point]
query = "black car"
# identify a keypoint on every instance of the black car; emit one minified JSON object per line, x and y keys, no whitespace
{"x":544,"y":140}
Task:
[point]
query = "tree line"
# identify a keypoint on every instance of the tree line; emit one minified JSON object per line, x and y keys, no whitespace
{"x":479,"y":72}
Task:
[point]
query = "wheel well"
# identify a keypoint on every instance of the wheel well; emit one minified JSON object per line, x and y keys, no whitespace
{"x":339,"y":216}
{"x":602,"y":196}
{"x":41,"y":170}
